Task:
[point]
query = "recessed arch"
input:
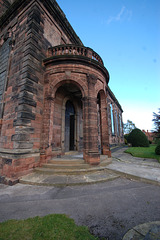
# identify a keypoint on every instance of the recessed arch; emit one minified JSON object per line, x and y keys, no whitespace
{"x":71,"y":124}
{"x":55,"y":87}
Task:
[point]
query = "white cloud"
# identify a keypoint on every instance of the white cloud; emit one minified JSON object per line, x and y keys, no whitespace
{"x":124,"y":14}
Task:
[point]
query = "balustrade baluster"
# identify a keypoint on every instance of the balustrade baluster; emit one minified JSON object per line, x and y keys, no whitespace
{"x":81,"y":51}
{"x":74,"y":50}
{"x":66,"y":50}
{"x":55,"y":51}
{"x":49,"y":53}
{"x":70,"y":51}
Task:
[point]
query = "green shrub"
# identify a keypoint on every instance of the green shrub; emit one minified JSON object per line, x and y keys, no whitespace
{"x":157,"y":149}
{"x":138,"y":139}
{"x":157,"y":141}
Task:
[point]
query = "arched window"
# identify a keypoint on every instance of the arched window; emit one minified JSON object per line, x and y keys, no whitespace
{"x":112,"y":119}
{"x":4,"y":61}
{"x":120,"y":123}
{"x":117,"y":124}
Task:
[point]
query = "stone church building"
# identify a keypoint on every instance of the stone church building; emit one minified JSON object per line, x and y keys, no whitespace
{"x":54,"y":93}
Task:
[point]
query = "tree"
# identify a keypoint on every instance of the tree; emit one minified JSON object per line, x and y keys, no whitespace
{"x":156,"y":120}
{"x":128,"y":127}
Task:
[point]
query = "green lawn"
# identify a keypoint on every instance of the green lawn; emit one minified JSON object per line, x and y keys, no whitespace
{"x":143,"y":152}
{"x":50,"y":227}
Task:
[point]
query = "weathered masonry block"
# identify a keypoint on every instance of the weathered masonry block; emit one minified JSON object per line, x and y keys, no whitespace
{"x":54,"y":94}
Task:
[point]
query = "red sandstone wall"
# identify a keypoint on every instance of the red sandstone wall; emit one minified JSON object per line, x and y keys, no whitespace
{"x":31,"y":33}
{"x":29,"y":96}
{"x":4,"y":5}
{"x":116,"y":138}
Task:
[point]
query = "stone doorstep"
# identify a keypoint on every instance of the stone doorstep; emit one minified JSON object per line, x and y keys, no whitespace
{"x":73,"y":163}
{"x":60,"y":166}
{"x":72,"y":166}
{"x":66,"y":166}
{"x":66,"y":161}
{"x":73,"y":171}
{"x":72,"y":153}
{"x":68,"y":180}
{"x":67,"y":171}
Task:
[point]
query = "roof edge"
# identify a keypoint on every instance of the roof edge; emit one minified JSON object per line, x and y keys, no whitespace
{"x":113,"y":97}
{"x":55,"y":10}
{"x":52,"y":7}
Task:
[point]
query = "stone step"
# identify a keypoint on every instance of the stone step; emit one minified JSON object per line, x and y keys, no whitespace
{"x":73,"y":153}
{"x":71,"y":166}
{"x":68,"y":180}
{"x":67,"y":171}
{"x":66,"y":161}
{"x":66,"y":166}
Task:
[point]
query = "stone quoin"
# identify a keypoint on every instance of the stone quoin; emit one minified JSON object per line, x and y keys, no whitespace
{"x":54,"y":93}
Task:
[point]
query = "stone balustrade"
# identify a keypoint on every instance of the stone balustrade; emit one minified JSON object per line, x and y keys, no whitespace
{"x":69,"y":49}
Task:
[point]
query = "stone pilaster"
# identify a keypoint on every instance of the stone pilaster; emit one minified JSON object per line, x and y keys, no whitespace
{"x":90,"y":128}
{"x":104,"y":128}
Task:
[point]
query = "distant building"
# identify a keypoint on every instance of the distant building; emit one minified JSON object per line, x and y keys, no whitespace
{"x":150,"y":135}
{"x":54,"y":94}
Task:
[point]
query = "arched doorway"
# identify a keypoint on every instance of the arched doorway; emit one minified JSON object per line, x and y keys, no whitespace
{"x":69,"y":126}
{"x":67,"y":118}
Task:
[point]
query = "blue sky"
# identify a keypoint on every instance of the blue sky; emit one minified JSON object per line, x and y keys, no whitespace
{"x":126,"y":34}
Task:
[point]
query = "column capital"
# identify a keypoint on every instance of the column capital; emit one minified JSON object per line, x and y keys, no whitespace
{"x":49,"y":98}
{"x":91,"y":79}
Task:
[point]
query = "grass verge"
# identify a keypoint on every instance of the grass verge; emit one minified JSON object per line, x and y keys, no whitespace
{"x":143,"y":152}
{"x":50,"y":227}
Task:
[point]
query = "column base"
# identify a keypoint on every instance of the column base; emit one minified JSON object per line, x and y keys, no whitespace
{"x":107,"y":152}
{"x":18,"y":162}
{"x":92,"y":158}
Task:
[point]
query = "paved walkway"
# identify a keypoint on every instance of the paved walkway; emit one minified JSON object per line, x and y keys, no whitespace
{"x":146,"y":170}
{"x":111,"y":209}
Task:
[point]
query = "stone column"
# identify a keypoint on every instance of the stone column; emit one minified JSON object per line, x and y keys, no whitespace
{"x":104,"y":127}
{"x":90,"y":124}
